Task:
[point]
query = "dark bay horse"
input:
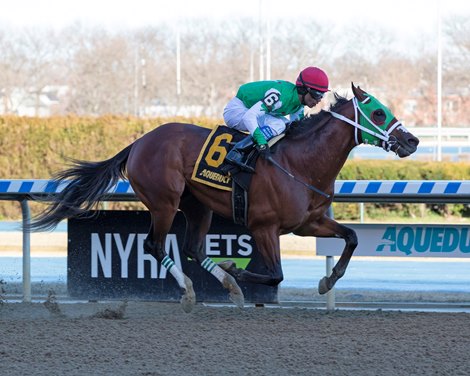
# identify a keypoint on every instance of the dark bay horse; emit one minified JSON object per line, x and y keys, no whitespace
{"x":159,"y":167}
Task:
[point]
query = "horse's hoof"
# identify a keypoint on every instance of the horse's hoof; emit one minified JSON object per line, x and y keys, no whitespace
{"x":235,"y":292}
{"x":227,"y":264}
{"x":237,"y":298}
{"x":188,"y":300}
{"x":323,"y":286}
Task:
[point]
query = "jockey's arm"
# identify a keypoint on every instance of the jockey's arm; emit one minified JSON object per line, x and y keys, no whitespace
{"x":297,"y":115}
{"x":250,"y":120}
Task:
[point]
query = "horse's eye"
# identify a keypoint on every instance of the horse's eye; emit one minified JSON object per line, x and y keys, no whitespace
{"x":378,"y":116}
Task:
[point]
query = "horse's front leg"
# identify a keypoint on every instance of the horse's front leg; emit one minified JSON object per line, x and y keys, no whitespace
{"x":327,"y":228}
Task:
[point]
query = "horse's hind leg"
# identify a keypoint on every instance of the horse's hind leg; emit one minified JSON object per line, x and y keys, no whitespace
{"x":198,"y":219}
{"x":267,"y":242}
{"x":155,"y":171}
{"x":155,"y":245}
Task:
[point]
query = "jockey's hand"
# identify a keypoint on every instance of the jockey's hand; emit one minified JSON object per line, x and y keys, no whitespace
{"x":264,"y":151}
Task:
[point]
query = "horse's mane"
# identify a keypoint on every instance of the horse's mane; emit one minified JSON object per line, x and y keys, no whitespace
{"x":316,"y":120}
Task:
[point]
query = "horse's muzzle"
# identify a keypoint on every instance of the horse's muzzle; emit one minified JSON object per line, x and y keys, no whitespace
{"x":405,"y":145}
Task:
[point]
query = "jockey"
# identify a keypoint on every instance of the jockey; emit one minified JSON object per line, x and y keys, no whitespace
{"x":261,"y":108}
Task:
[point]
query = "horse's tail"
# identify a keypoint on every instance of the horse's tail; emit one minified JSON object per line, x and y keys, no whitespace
{"x":87,"y":183}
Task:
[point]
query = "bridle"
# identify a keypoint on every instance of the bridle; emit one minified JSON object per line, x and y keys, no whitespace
{"x":388,"y":141}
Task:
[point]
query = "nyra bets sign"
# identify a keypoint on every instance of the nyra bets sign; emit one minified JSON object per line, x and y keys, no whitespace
{"x":106,"y":259}
{"x":403,"y":241}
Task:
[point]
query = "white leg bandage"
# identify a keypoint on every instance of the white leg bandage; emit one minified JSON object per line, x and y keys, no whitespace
{"x":213,"y":268}
{"x":169,"y":264}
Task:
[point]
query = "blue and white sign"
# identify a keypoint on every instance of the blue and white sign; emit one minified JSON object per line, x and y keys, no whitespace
{"x":403,"y":240}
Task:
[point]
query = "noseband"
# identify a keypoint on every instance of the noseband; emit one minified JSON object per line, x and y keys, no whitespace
{"x":388,"y":141}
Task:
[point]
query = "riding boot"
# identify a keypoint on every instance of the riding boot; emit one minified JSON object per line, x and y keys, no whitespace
{"x":236,"y":156}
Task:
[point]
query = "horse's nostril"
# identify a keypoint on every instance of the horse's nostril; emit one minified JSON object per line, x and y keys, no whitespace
{"x":413,"y":141}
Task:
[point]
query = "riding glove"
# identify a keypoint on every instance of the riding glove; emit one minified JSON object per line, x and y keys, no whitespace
{"x":264,"y":150}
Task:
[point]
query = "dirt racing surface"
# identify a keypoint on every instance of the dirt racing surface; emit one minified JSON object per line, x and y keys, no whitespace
{"x":150,"y":338}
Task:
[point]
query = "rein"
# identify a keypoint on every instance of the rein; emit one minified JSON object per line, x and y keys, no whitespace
{"x":308,"y":186}
{"x":387,"y":141}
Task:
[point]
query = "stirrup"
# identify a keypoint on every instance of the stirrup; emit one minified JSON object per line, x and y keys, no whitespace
{"x":237,"y":154}
{"x":244,"y":167}
{"x":235,"y":158}
{"x":241,"y":165}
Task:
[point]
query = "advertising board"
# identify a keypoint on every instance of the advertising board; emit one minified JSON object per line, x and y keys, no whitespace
{"x":106,"y":259}
{"x":403,"y":240}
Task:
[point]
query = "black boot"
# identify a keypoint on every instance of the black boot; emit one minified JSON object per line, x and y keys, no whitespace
{"x":236,"y":156}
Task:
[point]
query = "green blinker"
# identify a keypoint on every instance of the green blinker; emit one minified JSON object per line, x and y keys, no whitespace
{"x":368,"y":108}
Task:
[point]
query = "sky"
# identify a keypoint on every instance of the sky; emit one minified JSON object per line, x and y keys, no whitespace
{"x":403,"y":16}
{"x":407,"y":21}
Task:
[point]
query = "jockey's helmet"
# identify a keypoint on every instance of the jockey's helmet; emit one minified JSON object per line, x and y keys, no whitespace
{"x":313,"y":78}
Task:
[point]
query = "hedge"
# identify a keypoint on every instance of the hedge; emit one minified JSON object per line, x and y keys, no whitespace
{"x":35,"y":148}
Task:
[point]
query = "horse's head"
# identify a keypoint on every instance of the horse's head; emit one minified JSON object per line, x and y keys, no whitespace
{"x":375,"y":124}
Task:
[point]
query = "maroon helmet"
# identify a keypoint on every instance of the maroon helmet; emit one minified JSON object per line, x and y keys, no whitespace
{"x":313,"y":78}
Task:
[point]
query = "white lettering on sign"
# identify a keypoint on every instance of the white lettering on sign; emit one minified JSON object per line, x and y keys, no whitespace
{"x":124,"y":252}
{"x":102,"y":254}
{"x":228,"y":239}
{"x":244,"y":242}
{"x":144,"y":257}
{"x":242,"y":245}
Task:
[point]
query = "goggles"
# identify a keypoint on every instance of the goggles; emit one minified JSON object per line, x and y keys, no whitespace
{"x":317,"y":95}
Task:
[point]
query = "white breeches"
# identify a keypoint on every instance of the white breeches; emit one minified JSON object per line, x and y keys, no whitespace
{"x":237,"y":116}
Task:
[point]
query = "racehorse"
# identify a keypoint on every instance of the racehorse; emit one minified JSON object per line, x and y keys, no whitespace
{"x":159,"y":167}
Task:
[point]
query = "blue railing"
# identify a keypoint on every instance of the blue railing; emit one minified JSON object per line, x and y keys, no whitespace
{"x":443,"y":191}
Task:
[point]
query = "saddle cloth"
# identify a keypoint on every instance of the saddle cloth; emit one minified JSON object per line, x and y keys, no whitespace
{"x":220,"y":141}
{"x":207,"y":168}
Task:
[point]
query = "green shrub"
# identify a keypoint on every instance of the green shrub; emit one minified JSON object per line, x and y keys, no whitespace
{"x":35,"y":148}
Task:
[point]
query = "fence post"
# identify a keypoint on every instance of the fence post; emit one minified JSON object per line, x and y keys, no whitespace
{"x":26,"y":252}
{"x":330,"y":295}
{"x":330,"y":263}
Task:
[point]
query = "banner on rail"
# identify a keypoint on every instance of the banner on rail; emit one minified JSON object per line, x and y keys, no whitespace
{"x":106,"y":259}
{"x":402,"y":240}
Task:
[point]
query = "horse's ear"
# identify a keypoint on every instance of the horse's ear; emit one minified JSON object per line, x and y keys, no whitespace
{"x":358,"y":92}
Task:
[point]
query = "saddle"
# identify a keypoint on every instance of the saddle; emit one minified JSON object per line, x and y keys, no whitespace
{"x":211,"y":170}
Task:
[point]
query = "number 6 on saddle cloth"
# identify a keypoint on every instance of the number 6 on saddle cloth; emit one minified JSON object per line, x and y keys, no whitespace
{"x":208,"y":168}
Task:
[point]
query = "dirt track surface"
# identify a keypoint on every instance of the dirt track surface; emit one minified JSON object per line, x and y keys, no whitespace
{"x":148,"y":338}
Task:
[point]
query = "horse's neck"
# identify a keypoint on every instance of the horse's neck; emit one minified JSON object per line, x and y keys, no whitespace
{"x":327,"y":147}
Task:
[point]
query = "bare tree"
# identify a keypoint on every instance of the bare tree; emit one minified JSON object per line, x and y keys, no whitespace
{"x":10,"y":66}
{"x":154,"y":66}
{"x":134,"y":72}
{"x":101,"y":75}
{"x":456,"y":80}
{"x":299,"y":45}
{"x":215,"y":61}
